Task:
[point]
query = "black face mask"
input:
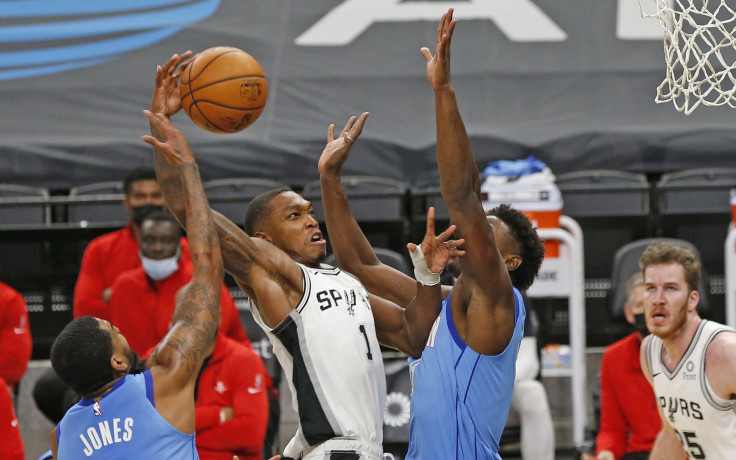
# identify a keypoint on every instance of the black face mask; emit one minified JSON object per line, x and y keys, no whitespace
{"x":640,"y":325}
{"x":140,"y":212}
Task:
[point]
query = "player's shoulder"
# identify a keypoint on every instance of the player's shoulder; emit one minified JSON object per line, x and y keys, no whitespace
{"x":724,"y":344}
{"x":646,"y":342}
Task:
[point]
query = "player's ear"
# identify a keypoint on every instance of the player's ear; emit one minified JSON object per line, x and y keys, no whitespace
{"x":512,"y":262}
{"x":693,"y":299}
{"x":263,"y":235}
{"x":119,"y":364}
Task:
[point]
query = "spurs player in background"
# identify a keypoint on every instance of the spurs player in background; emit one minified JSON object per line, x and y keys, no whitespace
{"x":690,"y":362}
{"x":462,"y":384}
{"x":319,"y":319}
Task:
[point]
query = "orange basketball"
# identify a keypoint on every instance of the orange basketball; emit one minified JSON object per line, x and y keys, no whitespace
{"x":223,"y":90}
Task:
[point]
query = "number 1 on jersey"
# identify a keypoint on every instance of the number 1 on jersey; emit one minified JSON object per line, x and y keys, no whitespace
{"x":367,"y":344}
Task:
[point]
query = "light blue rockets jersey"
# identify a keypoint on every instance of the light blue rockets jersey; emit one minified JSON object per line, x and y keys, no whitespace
{"x":460,"y":399}
{"x":124,"y":424}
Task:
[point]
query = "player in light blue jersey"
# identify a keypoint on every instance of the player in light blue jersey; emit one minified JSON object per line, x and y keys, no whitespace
{"x":149,"y":414}
{"x":463,"y":382}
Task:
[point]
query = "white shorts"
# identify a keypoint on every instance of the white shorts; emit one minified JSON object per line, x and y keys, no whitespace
{"x":342,"y":449}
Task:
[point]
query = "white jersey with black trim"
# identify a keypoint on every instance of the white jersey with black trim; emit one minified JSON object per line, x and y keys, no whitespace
{"x":328,"y":349}
{"x":704,"y":423}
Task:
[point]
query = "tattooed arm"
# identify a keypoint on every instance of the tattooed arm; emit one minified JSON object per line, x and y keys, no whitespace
{"x":266,"y":274}
{"x":176,"y":361}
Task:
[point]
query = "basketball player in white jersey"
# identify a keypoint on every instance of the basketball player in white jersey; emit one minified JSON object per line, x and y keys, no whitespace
{"x":319,"y":319}
{"x":690,"y":362}
{"x":463,"y":375}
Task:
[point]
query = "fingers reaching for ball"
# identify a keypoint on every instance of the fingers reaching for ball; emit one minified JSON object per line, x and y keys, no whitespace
{"x":166,"y":98}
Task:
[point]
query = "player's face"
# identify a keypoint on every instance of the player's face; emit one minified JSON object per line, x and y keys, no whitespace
{"x":291,"y":227}
{"x":159,"y":239}
{"x":143,"y":192}
{"x":667,"y":299}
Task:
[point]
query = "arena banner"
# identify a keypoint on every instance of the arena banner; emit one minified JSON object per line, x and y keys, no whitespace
{"x":569,"y":81}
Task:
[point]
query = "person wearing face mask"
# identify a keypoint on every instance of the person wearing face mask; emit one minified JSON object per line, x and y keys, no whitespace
{"x":629,"y":417}
{"x":143,"y":299}
{"x":109,"y":255}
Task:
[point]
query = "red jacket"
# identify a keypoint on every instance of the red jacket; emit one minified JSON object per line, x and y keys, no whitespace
{"x":234,"y":377}
{"x":11,"y":444}
{"x":630,"y":420}
{"x":15,"y":336}
{"x":142,"y":308}
{"x":105,"y":258}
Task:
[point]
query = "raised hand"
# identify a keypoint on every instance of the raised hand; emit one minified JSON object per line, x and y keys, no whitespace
{"x":438,"y":66}
{"x":337,"y":149}
{"x":166,"y":98}
{"x":438,"y":249}
{"x":173,"y":145}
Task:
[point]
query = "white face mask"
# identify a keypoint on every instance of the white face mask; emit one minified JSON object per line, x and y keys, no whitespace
{"x":161,"y":269}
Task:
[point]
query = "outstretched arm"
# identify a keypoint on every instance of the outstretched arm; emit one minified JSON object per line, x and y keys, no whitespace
{"x":491,"y":304}
{"x":351,"y":248}
{"x":266,"y":274}
{"x":176,"y":362}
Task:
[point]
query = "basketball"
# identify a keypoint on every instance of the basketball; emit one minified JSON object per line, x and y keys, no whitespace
{"x":223,"y":90}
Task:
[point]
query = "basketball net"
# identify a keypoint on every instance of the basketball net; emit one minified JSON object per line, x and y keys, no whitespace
{"x":700,"y":52}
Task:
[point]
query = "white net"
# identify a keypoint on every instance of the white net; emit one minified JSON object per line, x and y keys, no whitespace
{"x":700,"y":52}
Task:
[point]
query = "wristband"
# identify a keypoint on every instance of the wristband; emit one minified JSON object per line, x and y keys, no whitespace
{"x":421,"y":270}
{"x":222,"y":416}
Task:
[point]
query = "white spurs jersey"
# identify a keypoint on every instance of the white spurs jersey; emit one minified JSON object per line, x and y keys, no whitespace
{"x":328,"y":349}
{"x":705,"y":423}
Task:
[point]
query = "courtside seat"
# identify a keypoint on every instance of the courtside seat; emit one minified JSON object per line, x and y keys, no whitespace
{"x":23,"y":259}
{"x":97,"y":203}
{"x":20,"y":204}
{"x":694,"y":205}
{"x":626,"y":263}
{"x":612,"y":208}
{"x":379,"y":204}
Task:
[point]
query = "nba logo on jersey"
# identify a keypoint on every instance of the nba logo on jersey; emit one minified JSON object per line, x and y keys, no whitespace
{"x":97,"y":408}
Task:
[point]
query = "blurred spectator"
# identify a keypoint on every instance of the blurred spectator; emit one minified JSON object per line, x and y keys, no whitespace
{"x":142,"y":301}
{"x":630,"y":421}
{"x":11,"y":444}
{"x":15,"y":337}
{"x":231,"y":410}
{"x":529,"y":398}
{"x":109,"y":255}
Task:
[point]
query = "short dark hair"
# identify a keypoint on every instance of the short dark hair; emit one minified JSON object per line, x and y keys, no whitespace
{"x":138,"y":174}
{"x":531,"y":248}
{"x":162,"y":216}
{"x":259,"y":207}
{"x":81,"y":354}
